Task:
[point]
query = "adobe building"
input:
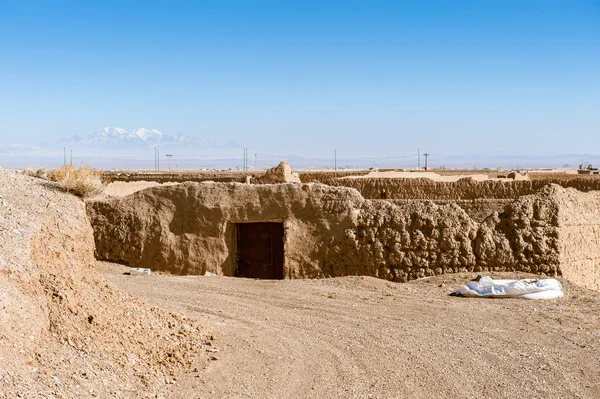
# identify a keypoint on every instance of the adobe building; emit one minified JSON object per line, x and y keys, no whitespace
{"x":294,"y":230}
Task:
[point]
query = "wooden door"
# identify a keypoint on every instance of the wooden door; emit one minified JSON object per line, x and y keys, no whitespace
{"x":260,"y":250}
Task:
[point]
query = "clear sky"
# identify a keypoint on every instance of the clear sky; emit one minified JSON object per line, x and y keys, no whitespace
{"x":365,"y":77}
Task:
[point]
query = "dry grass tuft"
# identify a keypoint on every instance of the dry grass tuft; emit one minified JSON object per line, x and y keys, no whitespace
{"x":83,"y":181}
{"x":41,"y":173}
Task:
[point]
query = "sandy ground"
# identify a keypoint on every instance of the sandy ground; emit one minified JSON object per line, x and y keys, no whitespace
{"x":361,"y":337}
{"x":121,"y":189}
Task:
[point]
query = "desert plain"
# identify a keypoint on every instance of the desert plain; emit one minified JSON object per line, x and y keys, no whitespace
{"x":76,"y":326}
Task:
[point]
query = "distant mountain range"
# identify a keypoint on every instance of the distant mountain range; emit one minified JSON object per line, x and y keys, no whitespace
{"x":111,"y":147}
{"x":117,"y":139}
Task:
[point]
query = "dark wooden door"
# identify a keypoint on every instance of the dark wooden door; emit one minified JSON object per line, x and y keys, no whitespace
{"x":260,"y":250}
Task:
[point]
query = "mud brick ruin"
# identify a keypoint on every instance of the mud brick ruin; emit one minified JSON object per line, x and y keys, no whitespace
{"x":273,"y":228}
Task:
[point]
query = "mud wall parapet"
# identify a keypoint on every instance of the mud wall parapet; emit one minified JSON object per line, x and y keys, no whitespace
{"x":463,"y":189}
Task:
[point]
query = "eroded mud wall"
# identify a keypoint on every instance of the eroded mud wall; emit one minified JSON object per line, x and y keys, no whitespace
{"x":329,"y":231}
{"x":477,"y":209}
{"x":463,"y":189}
{"x":178,"y":177}
{"x":190,"y":228}
{"x":579,"y":232}
{"x":421,"y":239}
{"x":220,"y":177}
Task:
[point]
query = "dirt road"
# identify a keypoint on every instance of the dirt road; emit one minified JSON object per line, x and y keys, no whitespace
{"x":361,"y":337}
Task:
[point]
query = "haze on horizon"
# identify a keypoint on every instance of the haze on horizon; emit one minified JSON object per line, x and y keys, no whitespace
{"x":368,"y":78}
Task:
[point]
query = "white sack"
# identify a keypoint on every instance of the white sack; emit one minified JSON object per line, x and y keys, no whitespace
{"x":139,"y":271}
{"x":527,"y":288}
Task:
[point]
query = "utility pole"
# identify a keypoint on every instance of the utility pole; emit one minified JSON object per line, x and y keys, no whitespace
{"x":418,"y":159}
{"x":254,"y":161}
{"x":335,"y":160}
{"x":71,"y":157}
{"x":425,"y":155}
{"x":157,"y":160}
{"x":65,"y":156}
{"x":169,"y":156}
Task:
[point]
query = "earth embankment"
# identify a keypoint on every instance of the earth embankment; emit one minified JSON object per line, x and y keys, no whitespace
{"x":64,"y":331}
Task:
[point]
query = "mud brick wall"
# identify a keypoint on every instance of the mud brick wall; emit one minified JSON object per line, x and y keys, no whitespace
{"x":477,"y":209}
{"x":579,"y":232}
{"x":329,"y":231}
{"x":463,"y":189}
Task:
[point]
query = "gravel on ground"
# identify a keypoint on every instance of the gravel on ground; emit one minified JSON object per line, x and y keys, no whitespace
{"x":362,"y":337}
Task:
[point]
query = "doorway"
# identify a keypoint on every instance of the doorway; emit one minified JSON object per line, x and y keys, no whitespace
{"x":260,"y":250}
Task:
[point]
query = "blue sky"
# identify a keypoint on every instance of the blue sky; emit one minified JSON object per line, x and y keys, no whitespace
{"x":365,"y":77}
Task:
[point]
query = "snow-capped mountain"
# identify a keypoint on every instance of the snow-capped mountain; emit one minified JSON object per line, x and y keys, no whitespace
{"x":148,"y":135}
{"x":117,"y":139}
{"x":102,"y":137}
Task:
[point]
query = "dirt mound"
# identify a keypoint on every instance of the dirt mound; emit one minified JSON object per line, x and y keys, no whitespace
{"x":281,"y":174}
{"x":64,"y":331}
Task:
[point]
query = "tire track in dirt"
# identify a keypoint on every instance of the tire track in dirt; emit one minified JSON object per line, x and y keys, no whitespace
{"x":262,"y":340}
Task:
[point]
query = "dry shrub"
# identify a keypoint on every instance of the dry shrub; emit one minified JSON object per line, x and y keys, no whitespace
{"x":28,"y":172}
{"x":41,"y":173}
{"x":83,"y":181}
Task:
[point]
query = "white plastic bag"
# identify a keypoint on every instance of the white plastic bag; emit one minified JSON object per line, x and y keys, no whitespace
{"x":527,"y":288}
